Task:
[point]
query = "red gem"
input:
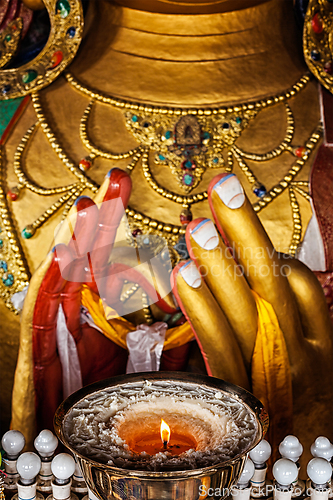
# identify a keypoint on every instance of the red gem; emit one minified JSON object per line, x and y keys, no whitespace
{"x":56,"y":58}
{"x":186,"y":217}
{"x":299,"y":152}
{"x":328,"y":67}
{"x":84,"y":164}
{"x":317,"y":24}
{"x":136,"y":232}
{"x":13,"y":194}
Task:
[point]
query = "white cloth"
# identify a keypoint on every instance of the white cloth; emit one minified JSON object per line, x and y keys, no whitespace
{"x":71,"y":370}
{"x":312,"y":252}
{"x":18,"y":299}
{"x":145,"y":346}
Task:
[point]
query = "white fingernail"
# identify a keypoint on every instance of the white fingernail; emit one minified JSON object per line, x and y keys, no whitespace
{"x":230,"y":191}
{"x":191,"y":274}
{"x":205,"y":235}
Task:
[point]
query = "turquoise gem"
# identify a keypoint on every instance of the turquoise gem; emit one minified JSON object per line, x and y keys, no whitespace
{"x":188,"y":164}
{"x":161,"y":157}
{"x":3,"y":265}
{"x":9,"y":280}
{"x":168,"y":134}
{"x":63,"y":8}
{"x":29,"y":76}
{"x":188,"y":179}
{"x":215,"y":160}
{"x":238,"y":120}
{"x":1,"y":243}
{"x":28,"y":232}
{"x":134,"y":118}
{"x":206,"y":135}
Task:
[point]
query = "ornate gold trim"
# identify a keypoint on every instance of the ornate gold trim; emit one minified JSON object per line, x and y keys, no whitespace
{"x":318,"y":41}
{"x":144,"y":108}
{"x":13,"y":268}
{"x":66,"y":17}
{"x":9,"y":41}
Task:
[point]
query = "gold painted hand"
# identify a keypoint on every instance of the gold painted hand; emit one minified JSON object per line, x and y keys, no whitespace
{"x":215,"y":291}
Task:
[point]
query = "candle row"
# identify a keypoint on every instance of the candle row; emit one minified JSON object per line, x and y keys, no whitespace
{"x":60,"y":477}
{"x":287,"y":485}
{"x":33,"y":475}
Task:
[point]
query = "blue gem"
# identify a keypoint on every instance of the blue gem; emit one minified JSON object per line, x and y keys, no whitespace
{"x":161,"y":157}
{"x":134,"y":118}
{"x":215,"y":160}
{"x":206,"y":135}
{"x":9,"y":280}
{"x":259,"y":190}
{"x":3,"y":265}
{"x":226,"y":126}
{"x":168,"y":134}
{"x":6,"y":89}
{"x":238,"y":120}
{"x":188,"y":164}
{"x":71,"y":32}
{"x":315,"y":55}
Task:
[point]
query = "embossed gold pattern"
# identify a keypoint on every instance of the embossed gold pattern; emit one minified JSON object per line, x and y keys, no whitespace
{"x":11,"y":252}
{"x":66,"y":18}
{"x":318,"y":40}
{"x":9,"y":40}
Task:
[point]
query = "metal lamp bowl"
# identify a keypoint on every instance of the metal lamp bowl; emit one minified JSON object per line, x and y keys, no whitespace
{"x":108,"y":482}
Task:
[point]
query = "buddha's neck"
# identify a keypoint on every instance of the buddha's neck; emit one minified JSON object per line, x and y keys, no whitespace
{"x":191,"y":60}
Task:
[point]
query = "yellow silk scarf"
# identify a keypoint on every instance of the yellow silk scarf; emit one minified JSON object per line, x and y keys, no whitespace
{"x":117,"y":329}
{"x":271,"y":376}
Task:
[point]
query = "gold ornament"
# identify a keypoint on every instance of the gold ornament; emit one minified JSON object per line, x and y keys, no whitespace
{"x":15,"y":270}
{"x":9,"y":40}
{"x":66,"y":18}
{"x":318,"y":40}
{"x":188,"y":141}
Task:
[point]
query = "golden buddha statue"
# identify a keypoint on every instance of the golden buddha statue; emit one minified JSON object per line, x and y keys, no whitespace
{"x":175,"y":93}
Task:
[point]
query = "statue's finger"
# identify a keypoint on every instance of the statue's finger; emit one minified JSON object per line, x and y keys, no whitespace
{"x":46,"y":307}
{"x":255,"y":254}
{"x":311,"y":302}
{"x":226,"y":282}
{"x":46,"y":363}
{"x":219,"y":347}
{"x":112,"y":200}
{"x":86,"y":217}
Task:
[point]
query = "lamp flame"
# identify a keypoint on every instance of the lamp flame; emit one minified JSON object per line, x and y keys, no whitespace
{"x":165,"y":432}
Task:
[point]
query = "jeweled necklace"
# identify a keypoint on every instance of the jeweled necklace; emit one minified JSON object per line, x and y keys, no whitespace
{"x":187,"y":140}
